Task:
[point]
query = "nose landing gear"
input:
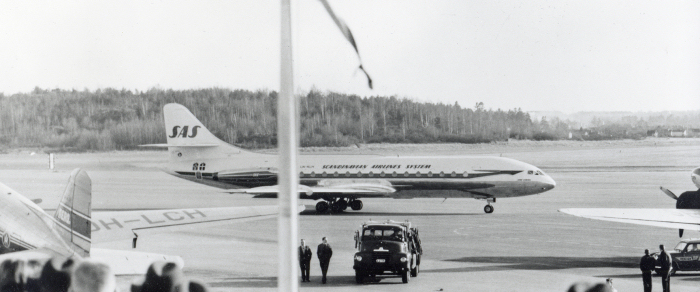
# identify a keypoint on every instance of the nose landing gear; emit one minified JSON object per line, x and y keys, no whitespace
{"x":488,"y":208}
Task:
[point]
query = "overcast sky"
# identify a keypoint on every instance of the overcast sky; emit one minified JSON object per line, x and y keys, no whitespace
{"x":537,"y":55}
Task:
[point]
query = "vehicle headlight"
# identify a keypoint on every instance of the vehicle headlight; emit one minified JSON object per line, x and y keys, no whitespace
{"x":358,"y":258}
{"x":404,"y":259}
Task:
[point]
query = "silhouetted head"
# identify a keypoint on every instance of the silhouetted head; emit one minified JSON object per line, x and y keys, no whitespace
{"x":91,"y":276}
{"x":646,"y":252}
{"x":661,"y":247}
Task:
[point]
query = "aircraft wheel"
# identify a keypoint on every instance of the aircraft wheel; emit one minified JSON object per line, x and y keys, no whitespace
{"x":488,"y":209}
{"x":343,"y":205}
{"x":336,"y":207}
{"x":321,"y":206}
{"x":356,"y":205}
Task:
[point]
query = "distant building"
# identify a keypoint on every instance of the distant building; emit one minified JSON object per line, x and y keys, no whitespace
{"x":677,"y":132}
{"x":652,"y":133}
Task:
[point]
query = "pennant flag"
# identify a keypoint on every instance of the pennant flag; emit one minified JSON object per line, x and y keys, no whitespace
{"x":348,"y":35}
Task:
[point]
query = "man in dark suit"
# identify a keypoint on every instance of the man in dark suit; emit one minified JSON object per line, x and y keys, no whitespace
{"x":324,"y":253}
{"x":647,"y":265}
{"x":304,"y":261}
{"x":666,"y":263}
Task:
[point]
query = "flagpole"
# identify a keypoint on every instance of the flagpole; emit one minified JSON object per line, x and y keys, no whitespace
{"x":287,"y":132}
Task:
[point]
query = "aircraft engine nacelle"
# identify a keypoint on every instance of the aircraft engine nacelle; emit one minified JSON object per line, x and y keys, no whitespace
{"x":688,"y":200}
{"x":695,"y":176}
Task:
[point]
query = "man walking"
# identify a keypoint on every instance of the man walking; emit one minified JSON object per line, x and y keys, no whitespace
{"x":304,"y":261}
{"x":647,"y":265}
{"x":665,"y":262}
{"x":324,"y":253}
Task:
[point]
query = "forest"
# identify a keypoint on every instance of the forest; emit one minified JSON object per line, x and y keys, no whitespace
{"x":111,"y":119}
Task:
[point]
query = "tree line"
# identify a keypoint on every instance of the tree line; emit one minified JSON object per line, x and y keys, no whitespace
{"x":108,"y":119}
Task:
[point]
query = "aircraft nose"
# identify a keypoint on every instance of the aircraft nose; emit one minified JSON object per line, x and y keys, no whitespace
{"x":549,"y":183}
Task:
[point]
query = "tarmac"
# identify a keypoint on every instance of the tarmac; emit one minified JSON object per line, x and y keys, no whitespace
{"x":525,"y":245}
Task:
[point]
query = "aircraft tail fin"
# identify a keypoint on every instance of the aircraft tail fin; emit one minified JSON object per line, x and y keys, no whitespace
{"x":73,"y":213}
{"x":186,"y":133}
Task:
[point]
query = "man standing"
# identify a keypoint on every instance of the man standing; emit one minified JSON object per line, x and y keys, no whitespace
{"x":304,"y":261}
{"x":324,"y":253}
{"x":665,"y":262}
{"x":647,"y":265}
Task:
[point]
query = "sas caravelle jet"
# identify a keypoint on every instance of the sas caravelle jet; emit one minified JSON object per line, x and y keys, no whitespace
{"x":685,"y":216}
{"x":29,"y":233}
{"x":341,"y":180}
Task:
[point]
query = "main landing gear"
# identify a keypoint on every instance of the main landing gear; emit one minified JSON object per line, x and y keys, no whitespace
{"x":338,"y":205}
{"x":488,"y":208}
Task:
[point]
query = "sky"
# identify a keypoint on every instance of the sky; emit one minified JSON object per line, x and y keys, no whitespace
{"x":536,"y":55}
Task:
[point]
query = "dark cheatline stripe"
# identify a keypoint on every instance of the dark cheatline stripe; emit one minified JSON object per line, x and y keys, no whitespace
{"x":352,"y":175}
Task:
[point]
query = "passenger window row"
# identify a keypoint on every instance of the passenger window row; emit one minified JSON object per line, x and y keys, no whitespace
{"x":359,"y":174}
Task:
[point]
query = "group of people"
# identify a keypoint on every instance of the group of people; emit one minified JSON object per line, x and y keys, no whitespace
{"x":324,"y":253}
{"x":648,"y":264}
{"x":86,"y":275}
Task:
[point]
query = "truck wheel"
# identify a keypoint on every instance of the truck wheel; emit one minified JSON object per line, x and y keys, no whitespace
{"x":405,"y":276}
{"x":414,"y":272}
{"x":359,"y":277}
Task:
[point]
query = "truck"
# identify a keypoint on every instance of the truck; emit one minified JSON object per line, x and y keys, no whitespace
{"x":387,"y":248}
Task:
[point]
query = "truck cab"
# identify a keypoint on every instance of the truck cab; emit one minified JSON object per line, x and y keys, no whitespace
{"x":387,"y":248}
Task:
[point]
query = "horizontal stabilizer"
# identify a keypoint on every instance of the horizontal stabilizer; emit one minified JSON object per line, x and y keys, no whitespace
{"x":119,"y":225}
{"x":126,"y":262}
{"x":668,"y":218}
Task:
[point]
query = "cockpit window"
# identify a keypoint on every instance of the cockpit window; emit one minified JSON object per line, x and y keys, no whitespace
{"x":539,"y":173}
{"x":530,"y":172}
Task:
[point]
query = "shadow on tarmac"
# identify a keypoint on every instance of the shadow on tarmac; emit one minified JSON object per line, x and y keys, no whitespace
{"x":694,"y":277}
{"x":538,"y":263}
{"x":312,"y":212}
{"x":271,"y":282}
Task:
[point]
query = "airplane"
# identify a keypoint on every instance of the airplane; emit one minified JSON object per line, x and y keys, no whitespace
{"x":686,"y":216}
{"x":28,"y":232}
{"x":340,"y":181}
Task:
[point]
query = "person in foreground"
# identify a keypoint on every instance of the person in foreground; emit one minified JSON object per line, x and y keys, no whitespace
{"x":324,"y":253}
{"x":646,"y":264}
{"x":664,"y":260}
{"x":305,"y":256}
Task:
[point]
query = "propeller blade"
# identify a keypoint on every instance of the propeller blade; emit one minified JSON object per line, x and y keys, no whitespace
{"x":669,"y":193}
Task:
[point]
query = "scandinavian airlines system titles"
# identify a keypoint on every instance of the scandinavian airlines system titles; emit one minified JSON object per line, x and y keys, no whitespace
{"x":376,"y":166}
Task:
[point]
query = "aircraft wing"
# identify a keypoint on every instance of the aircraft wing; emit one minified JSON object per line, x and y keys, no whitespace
{"x":351,"y":188}
{"x":688,"y":219}
{"x":122,"y":262}
{"x":117,"y":225}
{"x":126,"y":262}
